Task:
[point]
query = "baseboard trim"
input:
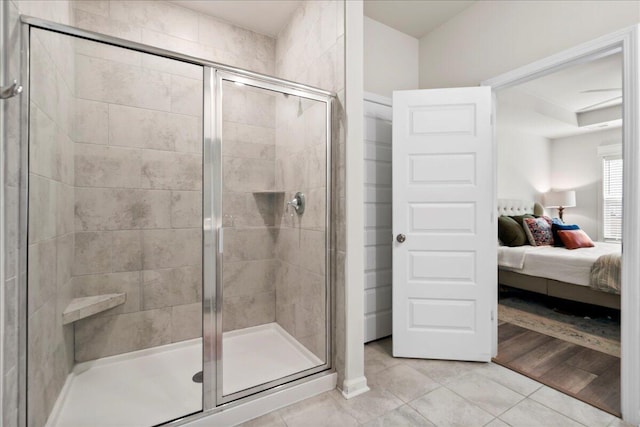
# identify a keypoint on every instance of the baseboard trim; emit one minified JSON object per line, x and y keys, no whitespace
{"x":354,"y":387}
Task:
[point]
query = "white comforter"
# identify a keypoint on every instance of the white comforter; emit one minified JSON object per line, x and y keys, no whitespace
{"x":571,"y":266}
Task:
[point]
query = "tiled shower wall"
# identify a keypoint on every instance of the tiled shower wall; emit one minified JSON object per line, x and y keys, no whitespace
{"x":310,"y":50}
{"x":51,"y":237}
{"x":300,"y":249}
{"x":138,"y":198}
{"x":249,"y":203}
{"x":54,"y":343}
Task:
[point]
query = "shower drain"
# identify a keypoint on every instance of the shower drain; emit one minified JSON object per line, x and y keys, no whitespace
{"x":197,"y":377}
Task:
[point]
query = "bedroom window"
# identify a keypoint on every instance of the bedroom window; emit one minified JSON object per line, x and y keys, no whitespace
{"x":612,"y":197}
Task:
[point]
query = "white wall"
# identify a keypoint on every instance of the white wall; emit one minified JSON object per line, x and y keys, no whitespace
{"x":575,"y":165}
{"x":523,"y":164}
{"x":390,"y":59}
{"x":492,"y":37}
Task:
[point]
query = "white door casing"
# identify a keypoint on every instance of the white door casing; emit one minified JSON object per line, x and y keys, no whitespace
{"x":444,"y":274}
{"x":377,"y":218}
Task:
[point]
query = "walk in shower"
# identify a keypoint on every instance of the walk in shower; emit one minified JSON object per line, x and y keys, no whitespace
{"x":178,"y":248}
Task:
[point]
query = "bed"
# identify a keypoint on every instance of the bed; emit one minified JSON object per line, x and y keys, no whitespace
{"x":553,"y":271}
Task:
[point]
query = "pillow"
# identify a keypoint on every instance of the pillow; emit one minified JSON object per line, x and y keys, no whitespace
{"x":538,"y":231}
{"x":520,"y":219}
{"x":510,"y":233}
{"x":555,"y":227}
{"x":574,"y":239}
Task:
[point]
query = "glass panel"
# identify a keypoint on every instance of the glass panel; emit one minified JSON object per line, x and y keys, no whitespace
{"x":115,"y":220}
{"x":274,"y":309}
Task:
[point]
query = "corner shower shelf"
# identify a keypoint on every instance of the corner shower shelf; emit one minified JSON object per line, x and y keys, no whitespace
{"x":79,"y":308}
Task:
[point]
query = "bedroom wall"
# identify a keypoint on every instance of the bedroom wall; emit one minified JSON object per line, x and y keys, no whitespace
{"x":390,"y":59}
{"x":523,"y":164}
{"x":492,"y":37}
{"x":575,"y":165}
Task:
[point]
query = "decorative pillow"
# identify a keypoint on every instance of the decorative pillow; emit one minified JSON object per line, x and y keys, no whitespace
{"x":538,"y":231}
{"x":555,"y":227}
{"x":574,"y":239}
{"x":510,"y":233}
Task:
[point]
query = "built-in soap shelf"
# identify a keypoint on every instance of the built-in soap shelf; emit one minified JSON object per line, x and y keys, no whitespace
{"x":79,"y":308}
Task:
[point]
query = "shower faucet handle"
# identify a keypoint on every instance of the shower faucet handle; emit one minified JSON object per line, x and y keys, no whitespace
{"x":10,"y":91}
{"x":297,"y":203}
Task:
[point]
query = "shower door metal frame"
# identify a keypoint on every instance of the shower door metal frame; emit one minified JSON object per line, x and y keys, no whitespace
{"x":214,"y":74}
{"x":220,"y":77}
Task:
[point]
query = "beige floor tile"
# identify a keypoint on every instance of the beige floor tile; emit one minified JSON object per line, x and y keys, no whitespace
{"x":510,"y":379}
{"x":497,"y":423}
{"x":445,"y":408}
{"x":617,"y":422}
{"x":485,"y":393}
{"x":319,"y":411}
{"x":530,"y":413}
{"x":384,"y":345}
{"x":401,"y":417}
{"x":369,"y":405}
{"x":443,"y":371}
{"x":572,"y":408}
{"x":403,"y":381}
{"x":270,"y":420}
{"x":376,"y":360}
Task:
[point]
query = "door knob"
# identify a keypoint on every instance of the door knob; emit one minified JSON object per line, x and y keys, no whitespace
{"x":401,"y":238}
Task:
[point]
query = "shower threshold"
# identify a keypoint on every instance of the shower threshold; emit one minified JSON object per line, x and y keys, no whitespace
{"x":152,"y":386}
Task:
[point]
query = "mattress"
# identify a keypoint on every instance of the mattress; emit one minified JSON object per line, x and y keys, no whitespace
{"x":571,"y":266}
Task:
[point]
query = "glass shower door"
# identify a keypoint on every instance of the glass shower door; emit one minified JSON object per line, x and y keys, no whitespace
{"x":272,"y":285}
{"x":115,"y":235}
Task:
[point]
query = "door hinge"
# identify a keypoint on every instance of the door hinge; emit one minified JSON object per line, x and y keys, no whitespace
{"x":492,"y":315}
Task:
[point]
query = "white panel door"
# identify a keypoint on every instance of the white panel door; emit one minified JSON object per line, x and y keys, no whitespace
{"x":377,"y":221}
{"x":444,"y":272}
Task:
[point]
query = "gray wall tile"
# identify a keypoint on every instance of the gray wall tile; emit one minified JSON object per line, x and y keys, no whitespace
{"x":186,"y":209}
{"x":169,"y":287}
{"x":92,"y":253}
{"x":171,"y":248}
{"x":109,"y":283}
{"x":105,"y":336}
{"x":186,"y":322}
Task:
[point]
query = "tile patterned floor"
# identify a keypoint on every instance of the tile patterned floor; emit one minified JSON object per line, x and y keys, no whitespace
{"x":411,"y":392}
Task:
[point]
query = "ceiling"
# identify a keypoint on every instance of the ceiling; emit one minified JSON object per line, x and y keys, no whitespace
{"x":266,"y":17}
{"x":414,"y":17}
{"x":578,"y":99}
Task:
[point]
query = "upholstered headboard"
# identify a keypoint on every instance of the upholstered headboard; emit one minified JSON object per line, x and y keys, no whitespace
{"x":519,"y":207}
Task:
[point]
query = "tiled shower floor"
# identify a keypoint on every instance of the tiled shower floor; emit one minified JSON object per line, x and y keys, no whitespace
{"x":148,"y":387}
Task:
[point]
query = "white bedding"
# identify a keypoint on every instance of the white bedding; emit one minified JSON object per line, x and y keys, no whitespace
{"x":571,"y":266}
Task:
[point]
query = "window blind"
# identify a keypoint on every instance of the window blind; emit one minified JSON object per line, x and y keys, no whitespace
{"x":612,"y":197}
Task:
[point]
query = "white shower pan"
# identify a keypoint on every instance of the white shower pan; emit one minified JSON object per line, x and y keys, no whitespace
{"x":152,"y":386}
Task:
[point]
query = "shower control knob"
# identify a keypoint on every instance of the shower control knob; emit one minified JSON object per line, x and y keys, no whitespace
{"x":401,"y":238}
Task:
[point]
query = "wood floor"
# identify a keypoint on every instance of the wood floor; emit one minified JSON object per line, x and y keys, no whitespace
{"x":585,"y":374}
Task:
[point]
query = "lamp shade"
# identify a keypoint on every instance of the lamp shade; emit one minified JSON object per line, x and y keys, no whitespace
{"x":557,"y":199}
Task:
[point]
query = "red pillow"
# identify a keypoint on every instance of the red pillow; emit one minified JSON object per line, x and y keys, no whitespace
{"x":574,"y":239}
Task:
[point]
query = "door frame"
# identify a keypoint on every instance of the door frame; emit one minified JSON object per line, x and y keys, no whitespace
{"x":627,"y":42}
